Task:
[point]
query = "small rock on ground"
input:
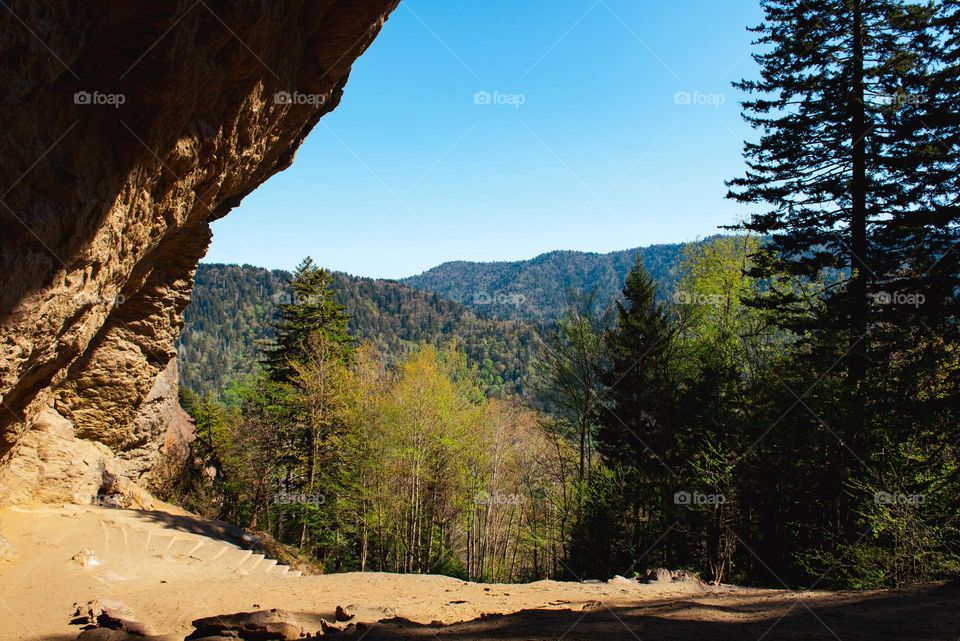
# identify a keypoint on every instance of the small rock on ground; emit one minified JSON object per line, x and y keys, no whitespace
{"x":7,"y":551}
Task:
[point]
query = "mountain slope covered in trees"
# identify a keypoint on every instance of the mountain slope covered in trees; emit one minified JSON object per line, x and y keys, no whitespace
{"x":232,"y":306}
{"x":493,"y":311}
{"x":535,"y":288}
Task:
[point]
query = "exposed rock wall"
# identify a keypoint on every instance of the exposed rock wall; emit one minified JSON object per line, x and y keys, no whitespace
{"x":126,"y":127}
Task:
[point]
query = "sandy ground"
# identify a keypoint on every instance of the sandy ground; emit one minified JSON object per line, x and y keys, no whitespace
{"x":172,"y":569}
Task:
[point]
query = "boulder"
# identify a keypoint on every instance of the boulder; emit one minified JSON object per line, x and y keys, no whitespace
{"x":261,"y":625}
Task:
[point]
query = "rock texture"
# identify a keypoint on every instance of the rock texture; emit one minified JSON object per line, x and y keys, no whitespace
{"x":262,"y":625}
{"x":127,"y":127}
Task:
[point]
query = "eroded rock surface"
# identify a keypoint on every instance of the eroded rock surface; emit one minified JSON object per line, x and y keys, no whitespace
{"x":262,"y":625}
{"x":127,"y":127}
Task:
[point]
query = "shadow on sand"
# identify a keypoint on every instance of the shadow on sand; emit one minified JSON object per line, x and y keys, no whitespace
{"x":220,"y":530}
{"x":922,"y":613}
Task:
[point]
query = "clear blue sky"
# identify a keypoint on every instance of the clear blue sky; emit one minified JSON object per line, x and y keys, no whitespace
{"x":414,"y":169}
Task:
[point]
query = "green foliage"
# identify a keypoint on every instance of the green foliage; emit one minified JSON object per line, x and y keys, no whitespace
{"x":787,"y":415}
{"x":569,"y":372}
{"x":312,"y":311}
{"x":537,"y":289}
{"x":367,"y":462}
{"x":856,"y":169}
{"x":634,"y":410}
{"x":233,"y":307}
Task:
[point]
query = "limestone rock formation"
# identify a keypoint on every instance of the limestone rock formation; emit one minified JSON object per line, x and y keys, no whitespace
{"x":127,"y":127}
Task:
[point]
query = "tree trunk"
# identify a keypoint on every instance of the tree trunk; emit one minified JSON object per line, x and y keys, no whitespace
{"x":860,"y":270}
{"x":858,"y":205}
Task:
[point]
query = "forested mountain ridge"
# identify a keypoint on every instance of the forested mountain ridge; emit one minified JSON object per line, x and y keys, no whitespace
{"x":536,"y":288}
{"x":492,"y":310}
{"x":232,"y":306}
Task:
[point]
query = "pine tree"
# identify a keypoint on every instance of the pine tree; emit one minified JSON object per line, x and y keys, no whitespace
{"x":312,"y":307}
{"x":815,"y":164}
{"x":636,"y":405}
{"x":635,"y":434}
{"x":815,"y":169}
{"x":856,"y":173}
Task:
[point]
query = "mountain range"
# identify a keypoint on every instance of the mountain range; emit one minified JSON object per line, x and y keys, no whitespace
{"x":536,"y":289}
{"x":496,"y":312}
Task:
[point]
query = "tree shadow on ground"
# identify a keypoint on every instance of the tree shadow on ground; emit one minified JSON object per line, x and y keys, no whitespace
{"x":921,"y":613}
{"x":219,"y":530}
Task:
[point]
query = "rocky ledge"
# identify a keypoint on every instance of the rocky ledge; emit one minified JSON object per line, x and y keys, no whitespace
{"x":128,"y":126}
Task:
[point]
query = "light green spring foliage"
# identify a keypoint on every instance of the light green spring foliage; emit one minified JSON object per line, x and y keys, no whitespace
{"x":408,"y":468}
{"x":711,"y":296}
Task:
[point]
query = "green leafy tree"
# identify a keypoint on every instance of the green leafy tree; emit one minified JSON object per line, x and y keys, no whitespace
{"x":723,"y":345}
{"x":569,"y":373}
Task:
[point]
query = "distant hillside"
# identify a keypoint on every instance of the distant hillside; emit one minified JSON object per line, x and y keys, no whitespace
{"x":536,"y":289}
{"x":492,"y":310}
{"x":232,"y":307}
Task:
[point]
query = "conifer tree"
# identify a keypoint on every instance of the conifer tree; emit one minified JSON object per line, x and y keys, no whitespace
{"x":312,"y":307}
{"x":635,"y":433}
{"x":636,"y":405}
{"x":855,"y":177}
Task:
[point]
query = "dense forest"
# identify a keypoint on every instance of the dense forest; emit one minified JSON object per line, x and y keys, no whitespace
{"x":494,"y":311}
{"x":229,"y":318}
{"x":536,"y":289}
{"x":782,"y":411}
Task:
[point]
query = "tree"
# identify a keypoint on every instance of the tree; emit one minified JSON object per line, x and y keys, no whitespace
{"x":312,"y":307}
{"x":635,"y":433}
{"x":325,"y":403}
{"x":569,"y":372}
{"x":723,"y":345}
{"x":637,"y":403}
{"x":856,"y":173}
{"x":815,"y":161}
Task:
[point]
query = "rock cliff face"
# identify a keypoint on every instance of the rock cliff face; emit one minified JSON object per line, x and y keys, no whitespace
{"x":126,"y":127}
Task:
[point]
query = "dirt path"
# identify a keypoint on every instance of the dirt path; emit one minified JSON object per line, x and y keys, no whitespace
{"x":170,"y":571}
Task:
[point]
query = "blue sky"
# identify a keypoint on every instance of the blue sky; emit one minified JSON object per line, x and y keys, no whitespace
{"x":502,"y":129}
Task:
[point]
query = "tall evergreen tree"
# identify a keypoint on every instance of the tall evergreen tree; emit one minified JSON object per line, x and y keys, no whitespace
{"x":815,"y":165}
{"x":635,"y":434}
{"x":312,"y":307}
{"x":856,"y":173}
{"x":636,"y":406}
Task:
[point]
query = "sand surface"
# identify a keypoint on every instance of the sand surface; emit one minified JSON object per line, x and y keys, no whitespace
{"x":172,"y":569}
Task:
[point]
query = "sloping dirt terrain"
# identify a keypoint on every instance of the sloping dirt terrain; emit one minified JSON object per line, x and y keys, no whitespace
{"x":171,"y":569}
